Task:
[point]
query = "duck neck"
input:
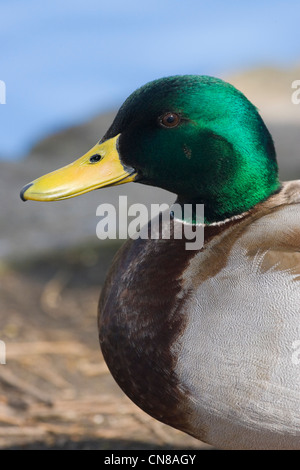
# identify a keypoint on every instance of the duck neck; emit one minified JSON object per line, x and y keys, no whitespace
{"x":230,"y":202}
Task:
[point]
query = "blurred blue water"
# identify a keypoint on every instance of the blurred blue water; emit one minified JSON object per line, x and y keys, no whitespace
{"x":64,"y":61}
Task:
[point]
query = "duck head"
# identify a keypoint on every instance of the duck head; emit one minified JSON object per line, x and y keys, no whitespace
{"x":196,"y":136}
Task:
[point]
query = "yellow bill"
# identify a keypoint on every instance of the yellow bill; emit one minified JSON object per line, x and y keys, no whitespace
{"x":99,"y":167}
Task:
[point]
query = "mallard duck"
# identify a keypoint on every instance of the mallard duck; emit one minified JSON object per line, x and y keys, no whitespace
{"x":202,"y":340}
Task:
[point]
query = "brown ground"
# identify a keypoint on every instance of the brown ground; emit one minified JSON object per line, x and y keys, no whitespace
{"x":55,"y":389}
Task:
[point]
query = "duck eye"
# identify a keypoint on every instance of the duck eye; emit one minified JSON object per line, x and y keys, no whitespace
{"x":95,"y":158}
{"x":169,"y":120}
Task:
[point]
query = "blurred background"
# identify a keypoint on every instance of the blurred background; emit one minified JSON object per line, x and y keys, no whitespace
{"x":67,"y":67}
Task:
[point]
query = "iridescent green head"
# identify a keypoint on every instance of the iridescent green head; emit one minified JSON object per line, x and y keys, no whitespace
{"x":200,"y":138}
{"x":196,"y":136}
